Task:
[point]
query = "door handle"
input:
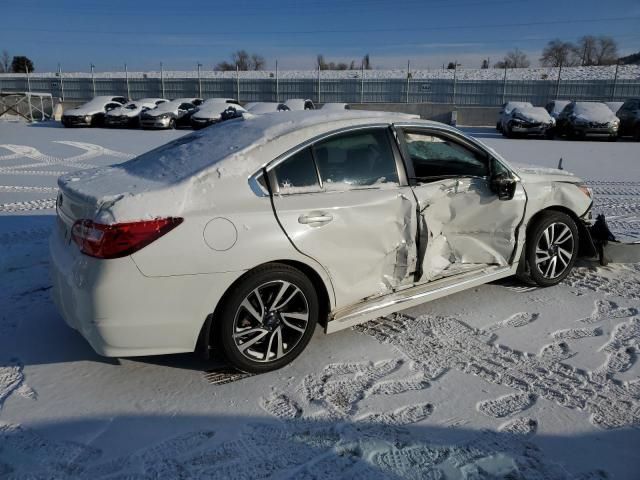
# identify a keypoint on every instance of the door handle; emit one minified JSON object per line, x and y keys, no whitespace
{"x":315,"y":218}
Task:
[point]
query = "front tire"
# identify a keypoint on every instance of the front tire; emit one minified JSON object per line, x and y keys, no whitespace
{"x":551,"y":248}
{"x":268,"y":318}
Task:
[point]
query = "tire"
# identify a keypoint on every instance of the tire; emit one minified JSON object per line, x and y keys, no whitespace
{"x":508,"y":132}
{"x":542,"y":258}
{"x":172,"y":124}
{"x":279,"y":336}
{"x":613,"y":138}
{"x":550,"y":134}
{"x":498,"y":127}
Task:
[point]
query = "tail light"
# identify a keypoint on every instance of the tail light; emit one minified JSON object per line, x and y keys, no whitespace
{"x":120,"y":239}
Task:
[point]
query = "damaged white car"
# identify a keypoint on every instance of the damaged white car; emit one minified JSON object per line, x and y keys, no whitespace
{"x":247,"y":234}
{"x":523,"y":121}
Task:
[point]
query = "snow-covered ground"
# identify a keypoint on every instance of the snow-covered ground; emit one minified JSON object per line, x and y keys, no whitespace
{"x":625,"y":72}
{"x":502,"y":381}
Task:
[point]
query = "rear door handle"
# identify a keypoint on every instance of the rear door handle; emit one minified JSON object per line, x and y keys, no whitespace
{"x":315,"y":218}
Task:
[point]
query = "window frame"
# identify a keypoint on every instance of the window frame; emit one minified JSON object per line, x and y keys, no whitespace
{"x":270,"y":168}
{"x":401,"y":129}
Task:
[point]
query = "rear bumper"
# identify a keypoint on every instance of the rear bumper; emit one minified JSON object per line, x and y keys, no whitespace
{"x":120,"y":312}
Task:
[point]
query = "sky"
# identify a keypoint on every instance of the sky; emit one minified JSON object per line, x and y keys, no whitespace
{"x":183,"y":33}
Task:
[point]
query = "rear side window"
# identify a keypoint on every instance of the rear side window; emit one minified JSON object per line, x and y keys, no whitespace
{"x":297,"y":172}
{"x":436,"y":157}
{"x":356,"y":159}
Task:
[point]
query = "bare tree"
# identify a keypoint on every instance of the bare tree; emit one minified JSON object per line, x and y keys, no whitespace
{"x":5,"y":61}
{"x":242,"y":60}
{"x":485,"y":64}
{"x":514,"y":59}
{"x":586,"y":50}
{"x":558,"y":53}
{"x":366,"y":62}
{"x":606,"y":51}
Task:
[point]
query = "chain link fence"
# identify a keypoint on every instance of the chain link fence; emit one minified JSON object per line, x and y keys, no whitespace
{"x":321,"y":90}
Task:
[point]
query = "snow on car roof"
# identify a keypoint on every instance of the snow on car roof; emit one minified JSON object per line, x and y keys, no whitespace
{"x":538,"y":114}
{"x":511,"y":105}
{"x":223,"y":150}
{"x":593,"y":111}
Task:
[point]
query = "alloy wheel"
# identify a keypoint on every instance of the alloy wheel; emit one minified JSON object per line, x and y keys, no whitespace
{"x":554,"y":250}
{"x":270,"y":321}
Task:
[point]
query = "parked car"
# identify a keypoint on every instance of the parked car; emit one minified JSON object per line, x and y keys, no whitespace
{"x":250,"y":232}
{"x":506,"y":110}
{"x":300,"y":104}
{"x":629,"y":115}
{"x":173,"y":114}
{"x":555,"y":107}
{"x":527,"y":121}
{"x":214,"y":110}
{"x":336,"y":106}
{"x":579,"y":119}
{"x":91,"y":114}
{"x":128,"y":115}
{"x":258,"y":108}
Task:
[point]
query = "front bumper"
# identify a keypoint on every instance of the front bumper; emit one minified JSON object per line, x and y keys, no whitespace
{"x":198,"y":123}
{"x":155,"y":122}
{"x":113,"y":121}
{"x":532,"y":128}
{"x":75,"y":121}
{"x":595,"y":130}
{"x":121,"y":312}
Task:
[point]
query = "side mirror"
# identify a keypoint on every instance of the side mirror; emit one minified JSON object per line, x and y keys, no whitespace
{"x":504,"y":186}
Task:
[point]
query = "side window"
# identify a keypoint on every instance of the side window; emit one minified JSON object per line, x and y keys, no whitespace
{"x":186,"y":106}
{"x":361,"y":158}
{"x":435,"y":157}
{"x":110,"y":106}
{"x":298,"y":171}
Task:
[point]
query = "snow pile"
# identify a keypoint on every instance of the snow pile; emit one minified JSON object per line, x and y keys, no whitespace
{"x":625,"y":72}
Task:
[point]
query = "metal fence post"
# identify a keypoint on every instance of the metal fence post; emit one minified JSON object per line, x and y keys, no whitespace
{"x":558,"y":81}
{"x":162,"y":79}
{"x":29,"y":90}
{"x":126,"y":77}
{"x":318,"y":83}
{"x":61,"y":82}
{"x":93,"y":80}
{"x":237,"y":82}
{"x":362,"y":82}
{"x":615,"y":82}
{"x":408,"y":78}
{"x":504,"y":85}
{"x":277,"y":84}
{"x":455,"y":79}
{"x":199,"y":81}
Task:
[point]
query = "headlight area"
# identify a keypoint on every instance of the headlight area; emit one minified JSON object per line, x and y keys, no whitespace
{"x":586,"y":190}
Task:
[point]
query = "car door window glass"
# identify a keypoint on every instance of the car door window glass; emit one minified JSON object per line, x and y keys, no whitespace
{"x":360,"y":159}
{"x":297,"y":173}
{"x":435,"y":157}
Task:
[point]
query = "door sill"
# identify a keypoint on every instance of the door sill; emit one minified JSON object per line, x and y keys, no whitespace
{"x":410,"y":297}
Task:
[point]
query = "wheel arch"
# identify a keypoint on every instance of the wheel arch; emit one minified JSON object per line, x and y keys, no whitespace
{"x":206,"y":341}
{"x":585,"y":244}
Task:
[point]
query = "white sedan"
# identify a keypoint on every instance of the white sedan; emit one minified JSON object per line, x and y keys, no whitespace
{"x":128,"y":115}
{"x":249,"y":233}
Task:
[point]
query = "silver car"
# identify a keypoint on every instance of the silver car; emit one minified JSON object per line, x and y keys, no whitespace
{"x":249,"y":233}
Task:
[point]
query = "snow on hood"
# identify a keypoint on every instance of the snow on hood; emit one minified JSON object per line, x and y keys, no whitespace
{"x":169,"y":107}
{"x":96,"y":105}
{"x":512,"y":105}
{"x":534,"y":173}
{"x":559,"y":105}
{"x":159,"y":179}
{"x":594,"y":112}
{"x":215,"y":109}
{"x":265,"y":107}
{"x":127,"y":111}
{"x":533,"y":114}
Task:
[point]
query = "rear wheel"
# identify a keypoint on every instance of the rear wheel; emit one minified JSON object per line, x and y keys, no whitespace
{"x":552,"y":248}
{"x":268,"y":319}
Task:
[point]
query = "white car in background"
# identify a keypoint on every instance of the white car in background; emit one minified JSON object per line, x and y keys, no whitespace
{"x":259,"y":108}
{"x":214,"y":110}
{"x":91,"y":114}
{"x":525,"y":121}
{"x":335,"y":106}
{"x":128,"y":115}
{"x":173,"y":114}
{"x":506,"y":109}
{"x":249,"y":233}
{"x":300,"y":104}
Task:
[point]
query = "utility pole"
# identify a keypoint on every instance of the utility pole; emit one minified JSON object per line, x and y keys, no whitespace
{"x":455,"y":79}
{"x":408,"y":77}
{"x":615,"y":82}
{"x":126,"y":77}
{"x":199,"y":81}
{"x":26,"y":67}
{"x":93,"y":80}
{"x":162,"y":79}
{"x":277,"y":84}
{"x":318,"y":83}
{"x":504,"y":85}
{"x":558,"y":81}
{"x":362,"y":82}
{"x":238,"y":82}
{"x":61,"y":82}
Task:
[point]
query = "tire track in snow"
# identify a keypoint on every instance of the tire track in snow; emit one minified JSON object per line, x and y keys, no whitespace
{"x":29,"y":205}
{"x":20,"y":188}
